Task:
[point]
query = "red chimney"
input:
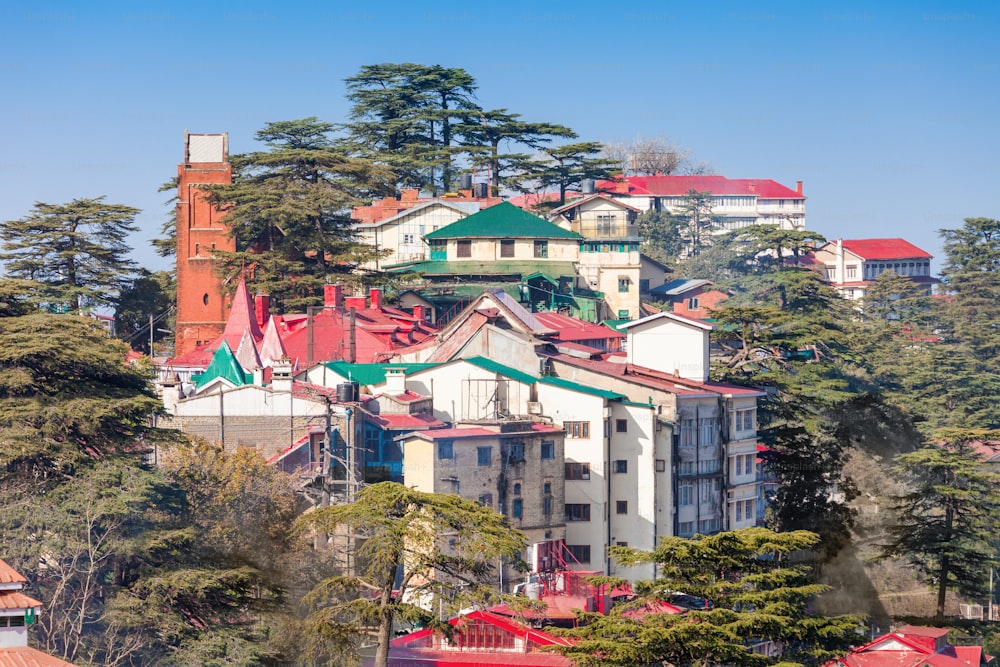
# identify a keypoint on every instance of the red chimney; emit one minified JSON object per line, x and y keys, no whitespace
{"x":376,"y":298}
{"x":418,"y":312}
{"x":333,"y":296}
{"x":262,"y":308}
{"x":798,"y":187}
{"x":412,"y":194}
{"x":355,"y":302}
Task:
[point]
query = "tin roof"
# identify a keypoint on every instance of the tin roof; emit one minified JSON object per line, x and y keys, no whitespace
{"x":502,"y":221}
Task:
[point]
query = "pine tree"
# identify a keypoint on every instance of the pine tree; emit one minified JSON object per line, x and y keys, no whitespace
{"x":446,"y":546}
{"x":753,"y":586}
{"x":75,"y":251}
{"x":565,"y":167}
{"x":947,"y":523}
{"x":289,"y":208}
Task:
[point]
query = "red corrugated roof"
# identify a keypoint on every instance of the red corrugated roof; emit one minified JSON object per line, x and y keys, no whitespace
{"x":399,"y":422}
{"x":885,"y":249}
{"x":25,"y":656}
{"x":571,"y":329}
{"x":9,"y":575}
{"x":765,"y":188}
{"x":912,"y":646}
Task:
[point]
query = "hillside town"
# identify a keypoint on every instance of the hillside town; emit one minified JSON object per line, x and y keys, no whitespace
{"x":408,"y":399}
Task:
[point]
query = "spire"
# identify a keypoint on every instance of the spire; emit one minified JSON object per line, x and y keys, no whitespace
{"x":271,"y":348}
{"x":241,"y":317}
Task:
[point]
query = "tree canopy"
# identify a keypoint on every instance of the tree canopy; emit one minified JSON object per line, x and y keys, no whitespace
{"x":752,"y":586}
{"x":76,"y":252}
{"x":446,"y":547}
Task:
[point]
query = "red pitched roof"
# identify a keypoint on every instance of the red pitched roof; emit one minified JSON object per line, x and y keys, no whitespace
{"x":25,"y":656}
{"x":403,"y":421}
{"x":570,"y":329}
{"x":764,"y":188}
{"x":17,"y":600}
{"x":912,"y":646}
{"x":9,"y":575}
{"x":885,"y":249}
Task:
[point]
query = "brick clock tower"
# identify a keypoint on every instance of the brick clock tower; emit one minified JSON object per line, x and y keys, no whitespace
{"x":201,"y":307}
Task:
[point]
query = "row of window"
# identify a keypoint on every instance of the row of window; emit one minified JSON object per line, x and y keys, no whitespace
{"x":702,"y":467}
{"x":705,"y":527}
{"x":581,"y":471}
{"x":484,"y":455}
{"x":463,"y":248}
{"x":743,"y":464}
{"x":743,"y":510}
{"x":708,"y":490}
{"x":744,"y":420}
{"x":703,"y":432}
{"x":579,"y":430}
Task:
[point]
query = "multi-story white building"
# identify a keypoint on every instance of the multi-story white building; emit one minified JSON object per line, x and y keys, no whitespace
{"x":736,"y":202}
{"x":850,"y":266}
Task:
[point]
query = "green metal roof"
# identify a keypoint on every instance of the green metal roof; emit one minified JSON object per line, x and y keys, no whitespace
{"x":512,"y":373}
{"x":616,"y":324}
{"x":582,"y":388}
{"x":525,"y":267}
{"x":370,"y":374}
{"x":224,"y":365}
{"x":503,"y":221}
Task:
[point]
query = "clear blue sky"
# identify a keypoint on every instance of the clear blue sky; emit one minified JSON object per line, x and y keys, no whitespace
{"x":888,"y":113}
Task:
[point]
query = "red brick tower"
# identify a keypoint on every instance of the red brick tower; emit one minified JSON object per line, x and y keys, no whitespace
{"x":201,"y":307}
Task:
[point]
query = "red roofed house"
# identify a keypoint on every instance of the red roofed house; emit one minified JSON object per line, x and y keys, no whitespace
{"x":17,"y":613}
{"x":913,"y":646}
{"x":850,"y":266}
{"x":736,"y":202}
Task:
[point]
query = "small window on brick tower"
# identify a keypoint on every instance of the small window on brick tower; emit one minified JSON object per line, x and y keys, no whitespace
{"x":204,"y":299}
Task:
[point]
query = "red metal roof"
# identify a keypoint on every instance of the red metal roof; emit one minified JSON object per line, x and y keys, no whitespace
{"x":885,"y":249}
{"x":399,"y":422}
{"x":571,"y":329}
{"x":9,"y":575}
{"x":25,"y":656}
{"x":912,"y":646}
{"x":764,"y":188}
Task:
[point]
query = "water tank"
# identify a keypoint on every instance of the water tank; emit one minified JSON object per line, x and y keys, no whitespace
{"x":465,"y":182}
{"x":533,"y":590}
{"x":588,"y":186}
{"x":482,"y":190}
{"x":347,"y":392}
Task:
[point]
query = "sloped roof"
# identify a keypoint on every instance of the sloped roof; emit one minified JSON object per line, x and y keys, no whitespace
{"x":912,"y":646}
{"x":572,"y":329}
{"x":683,"y":319}
{"x":9,"y":575}
{"x":25,"y":656}
{"x":402,"y":421}
{"x":503,"y":221}
{"x":224,"y":365}
{"x":512,"y":373}
{"x":582,"y":388}
{"x":718,"y":185}
{"x":17,"y":600}
{"x":589,"y":198}
{"x":372,"y":374}
{"x":679,"y":286}
{"x":883,"y":249}
{"x":472,"y":267}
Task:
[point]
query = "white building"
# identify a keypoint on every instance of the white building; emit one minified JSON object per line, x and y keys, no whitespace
{"x":850,"y":266}
{"x":736,"y":202}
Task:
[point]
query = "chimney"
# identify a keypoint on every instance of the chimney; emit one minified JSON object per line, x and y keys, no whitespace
{"x":355,"y":302}
{"x":333,"y":296}
{"x":262,"y":308}
{"x":418,"y":313}
{"x":281,"y":376}
{"x":395,"y":381}
{"x":798,"y":187}
{"x":375,"y":295}
{"x":411,"y":195}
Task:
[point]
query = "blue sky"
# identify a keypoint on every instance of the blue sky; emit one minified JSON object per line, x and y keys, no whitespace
{"x":887,"y":112}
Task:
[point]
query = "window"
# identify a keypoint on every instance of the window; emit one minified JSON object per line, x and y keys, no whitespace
{"x":446,"y":449}
{"x":686,"y":528}
{"x":831,"y":272}
{"x":621,"y":506}
{"x":464,"y":248}
{"x":547,"y":487}
{"x":708,"y":431}
{"x":623,"y":285}
{"x":407,"y":239}
{"x":685,"y":493}
{"x":577,"y":511}
{"x":644,"y":285}
{"x":748,"y":512}
{"x":517,"y":489}
{"x":579,"y":552}
{"x":621,"y":544}
{"x":623,"y":314}
{"x":851,"y":271}
{"x":693,"y":303}
{"x":621,"y":426}
{"x":745,"y":420}
{"x":515,"y":452}
{"x":16,"y":621}
{"x":748,"y":464}
{"x":710,"y":526}
{"x":517,"y":508}
{"x":548,"y":449}
{"x":661,"y":465}
{"x":688,"y":433}
{"x":547,"y":506}
{"x":739,"y":510}
{"x":607,"y":224}
{"x":486,"y":499}
{"x":577,"y":429}
{"x":577,"y":470}
{"x":621,"y":465}
{"x":507,"y":248}
{"x":484,"y":456}
{"x":541,"y":249}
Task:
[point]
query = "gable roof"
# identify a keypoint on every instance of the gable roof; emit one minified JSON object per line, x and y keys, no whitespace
{"x":883,"y":249}
{"x":25,"y":656}
{"x":764,"y":188}
{"x":423,"y":205}
{"x":690,"y":321}
{"x":372,"y":374}
{"x":9,"y":575}
{"x":224,"y":365}
{"x":589,"y":198}
{"x":512,"y":373}
{"x":504,"y":221}
{"x":679,"y":286}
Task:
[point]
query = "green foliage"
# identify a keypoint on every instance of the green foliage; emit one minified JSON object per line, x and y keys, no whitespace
{"x":756,"y":586}
{"x":947,"y":522}
{"x":166,"y":245}
{"x":565,"y":167}
{"x":289,"y":209}
{"x":662,"y":237}
{"x":148,"y":295}
{"x":75,"y":251}
{"x":447,"y":548}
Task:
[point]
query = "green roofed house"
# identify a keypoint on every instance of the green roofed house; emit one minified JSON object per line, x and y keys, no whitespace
{"x":504,"y":246}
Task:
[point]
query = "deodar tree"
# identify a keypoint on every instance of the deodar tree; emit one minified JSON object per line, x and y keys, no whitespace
{"x":753,"y":586}
{"x":446,"y":547}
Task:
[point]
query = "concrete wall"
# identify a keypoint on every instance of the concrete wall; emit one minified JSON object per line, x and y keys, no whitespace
{"x":671,"y":347}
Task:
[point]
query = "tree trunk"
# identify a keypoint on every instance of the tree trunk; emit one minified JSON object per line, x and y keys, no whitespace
{"x":384,"y":627}
{"x":949,"y":517}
